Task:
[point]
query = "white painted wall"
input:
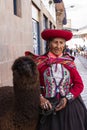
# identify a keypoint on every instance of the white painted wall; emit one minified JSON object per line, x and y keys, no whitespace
{"x":50,"y":8}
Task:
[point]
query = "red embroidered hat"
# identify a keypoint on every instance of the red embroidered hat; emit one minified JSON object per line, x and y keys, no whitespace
{"x":54,"y":33}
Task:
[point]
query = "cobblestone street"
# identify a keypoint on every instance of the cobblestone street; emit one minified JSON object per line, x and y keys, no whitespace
{"x":81,"y":64}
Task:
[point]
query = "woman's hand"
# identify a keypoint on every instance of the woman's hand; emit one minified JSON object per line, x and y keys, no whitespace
{"x":61,"y":104}
{"x":44,"y":103}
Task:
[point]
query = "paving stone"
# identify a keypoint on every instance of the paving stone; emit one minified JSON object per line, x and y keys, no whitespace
{"x":81,"y":64}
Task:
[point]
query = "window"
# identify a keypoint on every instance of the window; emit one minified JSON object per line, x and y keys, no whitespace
{"x":36,"y":36}
{"x":45,"y":22}
{"x":17,"y":7}
{"x":50,"y":25}
{"x":45,"y":25}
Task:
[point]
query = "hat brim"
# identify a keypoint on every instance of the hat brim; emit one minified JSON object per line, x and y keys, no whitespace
{"x":54,"y":33}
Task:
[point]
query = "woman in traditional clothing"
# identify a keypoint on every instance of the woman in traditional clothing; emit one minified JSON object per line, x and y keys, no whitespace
{"x":61,"y":85}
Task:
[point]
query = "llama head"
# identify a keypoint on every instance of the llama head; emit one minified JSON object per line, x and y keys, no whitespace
{"x":25,"y":73}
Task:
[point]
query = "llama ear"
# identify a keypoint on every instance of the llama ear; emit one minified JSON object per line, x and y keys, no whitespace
{"x":30,"y":54}
{"x":26,"y":53}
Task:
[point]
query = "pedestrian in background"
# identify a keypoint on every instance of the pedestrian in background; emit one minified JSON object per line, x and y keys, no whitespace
{"x":67,"y":50}
{"x":74,"y":50}
{"x":71,"y":51}
{"x":62,"y":107}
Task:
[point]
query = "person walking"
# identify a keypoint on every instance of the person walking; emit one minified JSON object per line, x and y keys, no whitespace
{"x":71,"y":51}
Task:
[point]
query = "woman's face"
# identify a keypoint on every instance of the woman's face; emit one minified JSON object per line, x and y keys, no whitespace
{"x":57,"y":45}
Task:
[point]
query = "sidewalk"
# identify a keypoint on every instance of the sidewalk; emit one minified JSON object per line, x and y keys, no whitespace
{"x":81,"y":65}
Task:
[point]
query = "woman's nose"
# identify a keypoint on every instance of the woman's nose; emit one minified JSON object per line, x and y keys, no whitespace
{"x":58,"y":45}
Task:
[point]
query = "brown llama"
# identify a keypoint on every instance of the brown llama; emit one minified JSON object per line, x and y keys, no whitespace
{"x":19,"y":104}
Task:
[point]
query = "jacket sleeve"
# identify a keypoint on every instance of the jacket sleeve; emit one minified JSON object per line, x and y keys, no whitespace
{"x":76,"y":84}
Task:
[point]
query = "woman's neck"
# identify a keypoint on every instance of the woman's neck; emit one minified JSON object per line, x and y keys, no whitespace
{"x":50,"y":54}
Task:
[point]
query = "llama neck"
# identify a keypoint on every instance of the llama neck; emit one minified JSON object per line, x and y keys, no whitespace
{"x":27,"y":102}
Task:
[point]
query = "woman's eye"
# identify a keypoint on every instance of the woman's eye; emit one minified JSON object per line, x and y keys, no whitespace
{"x":61,"y":42}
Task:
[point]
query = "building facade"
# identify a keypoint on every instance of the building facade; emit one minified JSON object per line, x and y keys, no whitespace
{"x":21,"y":22}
